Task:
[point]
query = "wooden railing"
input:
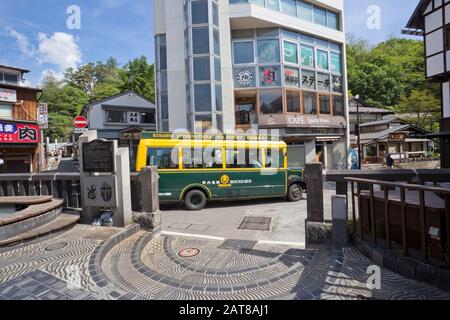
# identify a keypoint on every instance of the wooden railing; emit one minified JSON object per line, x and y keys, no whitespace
{"x":416,"y":216}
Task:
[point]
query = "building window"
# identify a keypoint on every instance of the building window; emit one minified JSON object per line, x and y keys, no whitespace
{"x":320,"y":16}
{"x":338,"y":106}
{"x":371,"y":151}
{"x":216,"y":37}
{"x":323,"y":82}
{"x":164,"y":106}
{"x":219,"y":122}
{"x":245,"y":114}
{"x":5,"y":111}
{"x":322,"y":60}
{"x":447,"y":38}
{"x":202,"y":97}
{"x":305,"y":11}
{"x":309,"y":102}
{"x":308,"y":80}
{"x":243,"y":52}
{"x":268,"y":51}
{"x":270,"y":76}
{"x":290,"y":52}
{"x":272,"y":4}
{"x":293,"y":101}
{"x":163,"y":158}
{"x":199,"y":12}
{"x":245,"y":77}
{"x":148,"y":117}
{"x":215,"y":12}
{"x":219,"y":102}
{"x":9,"y":78}
{"x":200,"y":40}
{"x":336,"y":84}
{"x":336,"y":65}
{"x":203,"y":122}
{"x":307,"y":57}
{"x":217,"y":70}
{"x":332,"y":20}
{"x":271,"y":101}
{"x":202,"y":69}
{"x":289,"y":7}
{"x":325,"y":104}
{"x":291,"y":77}
{"x":115,"y":116}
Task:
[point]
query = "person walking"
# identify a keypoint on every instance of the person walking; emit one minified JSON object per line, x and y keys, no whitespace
{"x":389,"y":162}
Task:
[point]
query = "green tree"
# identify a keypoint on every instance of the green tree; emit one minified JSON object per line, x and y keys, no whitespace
{"x":139,"y":75}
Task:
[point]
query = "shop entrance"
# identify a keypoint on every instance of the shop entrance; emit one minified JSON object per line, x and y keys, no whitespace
{"x":245,"y":109}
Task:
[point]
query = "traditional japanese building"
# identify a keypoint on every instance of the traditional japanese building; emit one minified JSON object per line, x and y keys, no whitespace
{"x":244,"y":64}
{"x":431,"y":19}
{"x":19,"y":129}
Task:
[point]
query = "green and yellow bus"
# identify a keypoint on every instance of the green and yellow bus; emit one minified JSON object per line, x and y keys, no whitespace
{"x":197,"y":169}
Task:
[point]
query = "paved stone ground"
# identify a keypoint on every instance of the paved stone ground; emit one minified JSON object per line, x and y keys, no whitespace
{"x":138,"y":268}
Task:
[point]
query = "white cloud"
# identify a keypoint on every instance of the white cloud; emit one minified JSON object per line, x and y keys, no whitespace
{"x":22,"y":41}
{"x":60,"y":49}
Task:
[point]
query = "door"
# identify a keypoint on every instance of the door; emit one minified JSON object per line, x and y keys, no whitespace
{"x":245,"y":112}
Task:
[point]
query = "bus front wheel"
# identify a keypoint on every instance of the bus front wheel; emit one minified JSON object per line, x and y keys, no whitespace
{"x":295,"y":193}
{"x":195,"y":200}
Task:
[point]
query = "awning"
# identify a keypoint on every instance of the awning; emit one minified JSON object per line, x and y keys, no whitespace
{"x":326,"y":139}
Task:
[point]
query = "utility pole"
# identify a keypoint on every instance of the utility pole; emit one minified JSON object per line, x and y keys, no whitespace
{"x":358,"y":132}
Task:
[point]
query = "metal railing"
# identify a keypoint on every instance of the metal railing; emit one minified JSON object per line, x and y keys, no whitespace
{"x":395,"y":206}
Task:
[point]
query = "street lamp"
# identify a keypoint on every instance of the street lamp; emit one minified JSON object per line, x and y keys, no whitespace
{"x":358,"y":131}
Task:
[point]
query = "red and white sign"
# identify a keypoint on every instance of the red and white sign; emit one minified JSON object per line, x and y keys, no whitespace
{"x":19,"y":133}
{"x":80,"y":122}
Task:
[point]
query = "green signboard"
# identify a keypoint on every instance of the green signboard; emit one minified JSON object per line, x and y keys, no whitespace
{"x":335,"y":62}
{"x":290,"y":52}
{"x":322,"y":60}
{"x":307,"y":57}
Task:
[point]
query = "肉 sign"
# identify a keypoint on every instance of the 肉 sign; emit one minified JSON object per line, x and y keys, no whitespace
{"x":19,"y":133}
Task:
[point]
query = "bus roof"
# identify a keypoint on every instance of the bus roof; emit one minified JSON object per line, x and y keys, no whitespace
{"x":208,"y":136}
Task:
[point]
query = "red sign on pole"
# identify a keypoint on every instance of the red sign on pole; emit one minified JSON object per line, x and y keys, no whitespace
{"x":80,"y":122}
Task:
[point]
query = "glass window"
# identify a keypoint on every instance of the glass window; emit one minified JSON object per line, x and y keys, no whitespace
{"x":217,"y":69}
{"x":325,"y":104}
{"x":241,"y":34}
{"x":202,"y":97}
{"x":291,"y":77}
{"x":323,"y":82}
{"x":267,"y":32}
{"x":274,"y":158}
{"x":163,"y":84}
{"x":245,"y":114}
{"x":216,"y":42}
{"x":200,"y":40}
{"x":243,"y":52}
{"x":320,"y":16}
{"x":293,"y":101}
{"x":5,"y":111}
{"x":243,"y":158}
{"x":114,"y":116}
{"x":268,"y":51}
{"x":215,"y":12}
{"x":163,"y":158}
{"x":336,"y":65}
{"x":305,"y":11}
{"x":289,"y":7}
{"x":11,"y":78}
{"x":148,"y":117}
{"x":164,"y":106}
{"x":322,"y":60}
{"x":219,"y":120}
{"x":290,"y":52}
{"x":308,"y":80}
{"x":271,"y":101}
{"x":196,"y":158}
{"x":309,"y":102}
{"x":338,"y":106}
{"x":270,"y":76}
{"x":163,"y":58}
{"x":333,"y":20}
{"x":307,"y":56}
{"x":272,"y":4}
{"x":199,"y":12}
{"x":219,"y":102}
{"x":336,"y":84}
{"x":245,"y":77}
{"x":202,"y":69}
{"x":203,"y":122}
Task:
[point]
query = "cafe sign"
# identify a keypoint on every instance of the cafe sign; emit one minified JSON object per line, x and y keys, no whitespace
{"x":8,"y":95}
{"x":302,"y":121}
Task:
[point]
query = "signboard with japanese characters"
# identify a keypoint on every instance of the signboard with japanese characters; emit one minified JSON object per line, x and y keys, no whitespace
{"x":43,"y":115}
{"x":291,"y":77}
{"x":133,"y":117}
{"x":8,"y":95}
{"x":397,"y":137}
{"x":269,"y":76}
{"x":19,"y":133}
{"x":98,"y":156}
{"x":308,"y":79}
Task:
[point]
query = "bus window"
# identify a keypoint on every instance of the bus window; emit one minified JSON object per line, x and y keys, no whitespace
{"x":198,"y":158}
{"x":243,"y":158}
{"x":274,"y":158}
{"x":166,"y":158}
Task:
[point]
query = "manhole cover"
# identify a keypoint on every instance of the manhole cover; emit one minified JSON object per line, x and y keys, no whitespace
{"x":56,"y":246}
{"x":189,"y":253}
{"x":256,"y":223}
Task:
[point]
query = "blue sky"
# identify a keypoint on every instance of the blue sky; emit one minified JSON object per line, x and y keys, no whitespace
{"x":34,"y":35}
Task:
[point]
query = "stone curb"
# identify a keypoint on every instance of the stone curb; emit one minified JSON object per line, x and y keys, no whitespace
{"x":405,"y":266}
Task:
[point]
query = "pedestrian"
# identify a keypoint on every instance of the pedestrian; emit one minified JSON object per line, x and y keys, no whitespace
{"x":389,"y":161}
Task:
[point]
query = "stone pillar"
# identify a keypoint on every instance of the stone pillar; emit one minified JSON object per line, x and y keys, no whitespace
{"x":317,"y":231}
{"x":123,"y":215}
{"x":88,"y":213}
{"x":339,"y":213}
{"x":150,"y":217}
{"x":314,"y":188}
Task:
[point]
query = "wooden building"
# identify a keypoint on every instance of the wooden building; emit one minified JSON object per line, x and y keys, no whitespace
{"x":431,"y":19}
{"x":19,"y":129}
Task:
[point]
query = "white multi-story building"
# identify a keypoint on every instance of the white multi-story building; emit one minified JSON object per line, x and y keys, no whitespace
{"x":260,"y":64}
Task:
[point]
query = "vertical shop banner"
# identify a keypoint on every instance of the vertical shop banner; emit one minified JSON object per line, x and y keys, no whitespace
{"x":43,"y":115}
{"x":19,"y":133}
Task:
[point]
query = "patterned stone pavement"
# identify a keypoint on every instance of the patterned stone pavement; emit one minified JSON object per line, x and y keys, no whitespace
{"x":188,"y":268}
